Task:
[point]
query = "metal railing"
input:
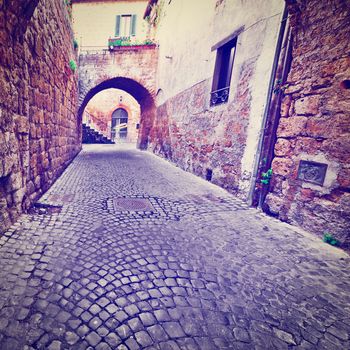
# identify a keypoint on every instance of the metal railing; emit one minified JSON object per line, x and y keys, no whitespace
{"x":219,"y":96}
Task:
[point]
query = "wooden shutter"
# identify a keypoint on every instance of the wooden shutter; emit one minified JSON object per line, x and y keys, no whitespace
{"x":117,"y":25}
{"x":133,"y":25}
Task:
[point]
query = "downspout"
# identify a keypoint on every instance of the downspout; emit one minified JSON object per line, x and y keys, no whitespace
{"x":276,"y":60}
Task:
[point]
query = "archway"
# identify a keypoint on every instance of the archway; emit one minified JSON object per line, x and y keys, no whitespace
{"x":135,"y":89}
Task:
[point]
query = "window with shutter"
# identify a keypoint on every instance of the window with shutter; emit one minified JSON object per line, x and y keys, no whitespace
{"x":117,"y":25}
{"x":125,"y":26}
{"x":133,"y":25}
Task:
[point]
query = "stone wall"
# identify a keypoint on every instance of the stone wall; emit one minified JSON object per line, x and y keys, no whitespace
{"x":315,"y":121}
{"x":38,"y":98}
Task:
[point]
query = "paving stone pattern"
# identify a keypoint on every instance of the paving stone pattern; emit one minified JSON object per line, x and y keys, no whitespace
{"x":197,"y":269}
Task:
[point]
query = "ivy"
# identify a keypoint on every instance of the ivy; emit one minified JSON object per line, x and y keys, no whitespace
{"x":72,"y":65}
{"x":328,"y":238}
{"x":266,"y":177}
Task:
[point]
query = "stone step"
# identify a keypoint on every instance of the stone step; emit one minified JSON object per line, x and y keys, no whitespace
{"x":93,"y":136}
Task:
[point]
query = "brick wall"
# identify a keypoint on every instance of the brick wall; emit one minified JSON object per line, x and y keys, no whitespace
{"x":315,"y":121}
{"x":38,"y":97}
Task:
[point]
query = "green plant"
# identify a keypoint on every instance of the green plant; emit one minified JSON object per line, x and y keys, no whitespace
{"x":75,"y":44}
{"x":148,"y":42}
{"x":72,"y":65}
{"x":68,"y":4}
{"x":115,"y":42}
{"x":266,"y":177}
{"x":328,"y":238}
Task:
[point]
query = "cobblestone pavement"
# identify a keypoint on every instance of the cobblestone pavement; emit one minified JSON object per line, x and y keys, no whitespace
{"x":137,"y":254}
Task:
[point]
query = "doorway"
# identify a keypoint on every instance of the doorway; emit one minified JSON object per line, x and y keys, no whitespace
{"x":119,"y":125}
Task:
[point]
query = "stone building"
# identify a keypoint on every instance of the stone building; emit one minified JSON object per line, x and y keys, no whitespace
{"x":254,"y":96}
{"x":39,"y":131}
{"x":102,"y":26}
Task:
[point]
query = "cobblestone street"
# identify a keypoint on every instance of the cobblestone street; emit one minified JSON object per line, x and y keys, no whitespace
{"x":126,"y":251}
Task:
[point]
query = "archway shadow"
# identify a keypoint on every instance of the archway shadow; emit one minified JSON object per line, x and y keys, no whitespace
{"x":141,"y":95}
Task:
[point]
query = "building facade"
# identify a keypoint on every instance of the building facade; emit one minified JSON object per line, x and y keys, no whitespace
{"x":210,"y":112}
{"x":98,"y":23}
{"x":249,"y":99}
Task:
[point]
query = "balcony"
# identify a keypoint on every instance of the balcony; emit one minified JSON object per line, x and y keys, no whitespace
{"x":120,"y":43}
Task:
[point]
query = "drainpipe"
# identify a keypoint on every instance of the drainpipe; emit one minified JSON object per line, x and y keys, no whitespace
{"x":276,"y":60}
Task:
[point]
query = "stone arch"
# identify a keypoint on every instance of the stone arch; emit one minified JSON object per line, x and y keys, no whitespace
{"x":141,"y":94}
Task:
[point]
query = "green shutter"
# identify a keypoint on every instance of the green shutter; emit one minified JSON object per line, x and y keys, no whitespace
{"x":117,"y":26}
{"x":133,"y":25}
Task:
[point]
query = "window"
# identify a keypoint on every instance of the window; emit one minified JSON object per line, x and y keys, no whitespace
{"x":225,"y":53}
{"x":125,"y":26}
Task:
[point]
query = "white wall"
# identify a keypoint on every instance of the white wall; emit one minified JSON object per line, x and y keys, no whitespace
{"x":94,"y":22}
{"x":184,"y":46}
{"x":188,"y":30}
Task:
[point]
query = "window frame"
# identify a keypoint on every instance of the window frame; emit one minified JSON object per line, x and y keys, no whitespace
{"x":132,"y":26}
{"x":225,"y":55}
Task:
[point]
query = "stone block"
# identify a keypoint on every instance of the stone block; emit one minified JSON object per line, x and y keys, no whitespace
{"x":22,"y":124}
{"x":8,"y":163}
{"x":274,"y":203}
{"x":285,"y":106}
{"x":282,"y":166}
{"x":3,"y":204}
{"x":307,"y":145}
{"x":18,"y":196}
{"x":5,"y":220}
{"x":15,"y":182}
{"x":308,"y":105}
{"x":291,"y":127}
{"x":283,"y":147}
{"x":3,"y":145}
{"x":338,"y":148}
{"x":344,"y":178}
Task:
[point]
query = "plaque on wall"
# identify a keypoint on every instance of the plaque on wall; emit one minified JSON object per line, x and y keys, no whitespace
{"x":312,"y":172}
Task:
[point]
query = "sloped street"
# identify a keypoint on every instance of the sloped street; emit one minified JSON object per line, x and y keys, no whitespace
{"x":126,"y":251}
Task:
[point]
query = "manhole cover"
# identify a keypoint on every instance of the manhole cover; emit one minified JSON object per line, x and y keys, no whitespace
{"x":132,"y":204}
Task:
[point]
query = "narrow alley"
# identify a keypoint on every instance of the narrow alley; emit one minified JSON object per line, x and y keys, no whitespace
{"x":127,"y":251}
